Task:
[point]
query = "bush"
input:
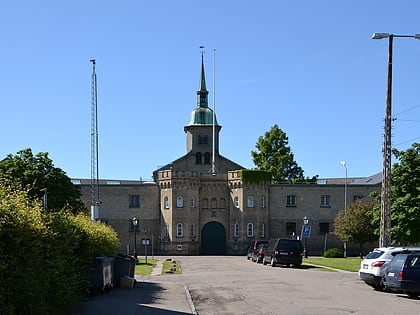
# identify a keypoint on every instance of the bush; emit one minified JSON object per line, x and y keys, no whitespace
{"x":333,"y":253}
{"x":45,"y":258}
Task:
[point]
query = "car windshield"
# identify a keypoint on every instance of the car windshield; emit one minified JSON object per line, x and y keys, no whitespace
{"x":375,"y":254}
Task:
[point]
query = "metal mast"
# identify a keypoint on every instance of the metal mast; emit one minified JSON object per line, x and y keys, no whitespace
{"x":213,"y":158}
{"x":94,"y":179}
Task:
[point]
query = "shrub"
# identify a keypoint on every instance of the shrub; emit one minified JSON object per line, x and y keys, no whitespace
{"x":333,"y":253}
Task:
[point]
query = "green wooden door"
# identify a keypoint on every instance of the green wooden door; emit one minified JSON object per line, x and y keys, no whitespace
{"x":213,"y":239}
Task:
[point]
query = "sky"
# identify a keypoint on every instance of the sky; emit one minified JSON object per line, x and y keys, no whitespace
{"x":311,"y":67}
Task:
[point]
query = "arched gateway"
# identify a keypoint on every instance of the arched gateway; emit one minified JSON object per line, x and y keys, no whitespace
{"x":213,"y":239}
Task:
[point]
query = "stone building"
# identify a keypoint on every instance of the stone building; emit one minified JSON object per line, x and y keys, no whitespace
{"x":204,"y":203}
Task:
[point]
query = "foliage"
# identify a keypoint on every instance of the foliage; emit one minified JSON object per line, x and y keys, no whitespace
{"x":45,"y":257}
{"x":405,"y":198}
{"x":333,"y":253}
{"x":275,"y":156}
{"x":36,"y":172}
{"x":355,"y":225}
{"x":254,"y":176}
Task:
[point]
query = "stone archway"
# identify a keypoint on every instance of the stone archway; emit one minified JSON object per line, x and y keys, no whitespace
{"x":213,"y":239}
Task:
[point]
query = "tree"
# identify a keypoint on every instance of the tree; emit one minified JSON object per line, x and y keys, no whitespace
{"x":405,"y":196}
{"x":274,"y":156}
{"x":36,"y":172}
{"x":355,"y":225}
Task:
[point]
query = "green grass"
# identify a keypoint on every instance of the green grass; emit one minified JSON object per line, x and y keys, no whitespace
{"x":171,"y":267}
{"x":349,"y":264}
{"x":144,"y":269}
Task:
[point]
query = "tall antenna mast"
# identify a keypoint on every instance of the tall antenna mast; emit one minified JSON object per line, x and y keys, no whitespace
{"x":94,"y":164}
{"x":213,"y":159}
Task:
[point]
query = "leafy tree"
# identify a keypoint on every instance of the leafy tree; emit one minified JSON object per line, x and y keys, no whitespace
{"x":355,"y":225}
{"x":274,"y":156}
{"x":405,"y":196}
{"x":36,"y":172}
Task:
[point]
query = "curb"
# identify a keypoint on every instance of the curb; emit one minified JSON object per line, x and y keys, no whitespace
{"x":190,"y":301}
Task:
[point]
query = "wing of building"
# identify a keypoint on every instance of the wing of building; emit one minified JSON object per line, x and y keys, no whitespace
{"x":201,"y":203}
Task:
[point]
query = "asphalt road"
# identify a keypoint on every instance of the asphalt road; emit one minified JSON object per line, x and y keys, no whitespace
{"x":234,"y":285}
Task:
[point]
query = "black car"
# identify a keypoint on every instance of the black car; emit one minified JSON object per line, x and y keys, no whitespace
{"x":284,"y":251}
{"x":259,"y":254}
{"x":403,"y":274}
{"x":252,"y":249}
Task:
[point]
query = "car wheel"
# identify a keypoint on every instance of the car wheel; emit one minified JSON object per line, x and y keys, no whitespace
{"x":272,"y":263}
{"x":412,"y":294}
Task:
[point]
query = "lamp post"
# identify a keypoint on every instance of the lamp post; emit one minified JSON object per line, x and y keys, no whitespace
{"x":305,"y":237}
{"x":385,"y":227}
{"x":344,"y":164}
{"x":135,"y":222}
{"x":45,"y":198}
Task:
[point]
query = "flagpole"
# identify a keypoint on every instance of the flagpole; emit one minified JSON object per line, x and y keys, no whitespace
{"x":213,"y":162}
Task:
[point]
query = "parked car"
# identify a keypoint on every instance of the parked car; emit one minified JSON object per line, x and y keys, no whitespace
{"x":252,"y":249}
{"x":259,"y":254}
{"x":372,"y":268}
{"x":403,"y":274}
{"x":283,"y":251}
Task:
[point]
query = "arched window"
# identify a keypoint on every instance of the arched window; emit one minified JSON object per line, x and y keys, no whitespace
{"x":262,"y":230}
{"x":250,"y":202}
{"x":166,"y":202}
{"x":179,"y":230}
{"x":222,"y":203}
{"x":198,"y":158}
{"x":213,"y":203}
{"x":205,"y":203}
{"x":179,"y":202}
{"x":236,"y":201}
{"x":250,"y":230}
{"x":207,"y":158}
{"x":236,"y":230}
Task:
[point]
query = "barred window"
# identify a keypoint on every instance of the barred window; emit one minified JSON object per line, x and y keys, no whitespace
{"x":291,"y":201}
{"x":134,"y":201}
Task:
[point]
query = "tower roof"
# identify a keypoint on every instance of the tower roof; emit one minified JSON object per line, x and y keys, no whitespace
{"x":202,"y":114}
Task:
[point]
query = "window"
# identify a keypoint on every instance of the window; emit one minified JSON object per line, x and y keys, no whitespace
{"x":325,"y":201}
{"x":290,"y":228}
{"x":198,"y":158}
{"x":193,"y":231}
{"x":179,"y":202}
{"x":203,"y":139}
{"x":222,"y":203}
{"x":324,"y":228}
{"x":179,"y":230}
{"x":236,"y":230}
{"x":250,"y":202}
{"x":213,"y":203}
{"x":166,"y":232}
{"x":262,"y":202}
{"x":192,"y":202}
{"x":262,"y":231}
{"x":134,"y":201}
{"x":250,"y":230}
{"x":207,"y":158}
{"x":236,"y":201}
{"x":291,"y":201}
{"x":166,"y":202}
{"x":357,"y":197}
{"x":205,"y":203}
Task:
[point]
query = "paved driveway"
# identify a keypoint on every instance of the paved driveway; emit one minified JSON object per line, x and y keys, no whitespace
{"x":234,"y":285}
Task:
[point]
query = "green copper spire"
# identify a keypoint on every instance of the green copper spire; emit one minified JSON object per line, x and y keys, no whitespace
{"x":202,"y":93}
{"x":202,"y":114}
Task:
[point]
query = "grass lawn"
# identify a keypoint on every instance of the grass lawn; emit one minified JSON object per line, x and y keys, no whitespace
{"x":144,"y":269}
{"x":349,"y":264}
{"x":171,"y":267}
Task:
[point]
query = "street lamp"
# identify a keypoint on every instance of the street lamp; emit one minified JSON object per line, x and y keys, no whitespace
{"x":385,"y":227}
{"x":305,"y":238}
{"x":344,"y":164}
{"x":135,"y":222}
{"x":45,"y":198}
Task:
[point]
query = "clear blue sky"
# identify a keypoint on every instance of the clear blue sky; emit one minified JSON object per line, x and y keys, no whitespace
{"x":309,"y":66}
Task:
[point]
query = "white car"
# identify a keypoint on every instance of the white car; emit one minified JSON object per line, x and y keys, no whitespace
{"x":372,"y":268}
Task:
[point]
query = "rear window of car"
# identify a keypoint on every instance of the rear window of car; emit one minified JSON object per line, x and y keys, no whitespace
{"x":375,"y":254}
{"x":398,"y":262}
{"x":289,"y":245}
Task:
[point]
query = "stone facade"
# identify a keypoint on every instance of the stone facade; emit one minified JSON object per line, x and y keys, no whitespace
{"x":199,"y":204}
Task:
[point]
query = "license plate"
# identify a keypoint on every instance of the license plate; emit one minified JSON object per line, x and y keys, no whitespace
{"x":365,"y":266}
{"x":284,"y":253}
{"x":391,"y":274}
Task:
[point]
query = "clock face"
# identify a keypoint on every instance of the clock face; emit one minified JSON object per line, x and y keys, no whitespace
{"x":203,"y":139}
